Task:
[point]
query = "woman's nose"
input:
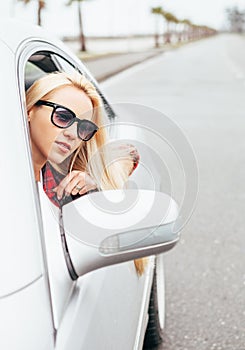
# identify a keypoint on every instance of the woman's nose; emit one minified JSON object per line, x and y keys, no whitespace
{"x":71,"y":132}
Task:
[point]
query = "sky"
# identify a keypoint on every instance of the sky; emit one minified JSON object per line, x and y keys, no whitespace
{"x":114,"y":17}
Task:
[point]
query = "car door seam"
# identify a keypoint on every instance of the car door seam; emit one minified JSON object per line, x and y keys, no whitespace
{"x":22,"y":288}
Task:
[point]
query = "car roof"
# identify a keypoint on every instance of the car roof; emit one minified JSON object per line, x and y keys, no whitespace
{"x":14,"y":32}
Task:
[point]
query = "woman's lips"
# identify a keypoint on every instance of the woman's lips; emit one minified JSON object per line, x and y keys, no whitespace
{"x":63,"y":146}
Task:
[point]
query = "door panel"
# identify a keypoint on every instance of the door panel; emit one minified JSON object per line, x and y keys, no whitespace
{"x":21,"y":255}
{"x":25,"y":320}
{"x":104,"y":309}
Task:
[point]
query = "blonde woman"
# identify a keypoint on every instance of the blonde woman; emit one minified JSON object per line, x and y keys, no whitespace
{"x":69,"y":141}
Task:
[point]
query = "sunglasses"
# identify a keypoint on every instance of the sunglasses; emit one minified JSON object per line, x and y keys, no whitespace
{"x":63,"y":118}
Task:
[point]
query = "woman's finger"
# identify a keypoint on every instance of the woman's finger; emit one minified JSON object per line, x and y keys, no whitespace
{"x":87,"y":185}
{"x":76,"y":184}
{"x":85,"y":189}
{"x":63,"y":184}
{"x":79,"y":183}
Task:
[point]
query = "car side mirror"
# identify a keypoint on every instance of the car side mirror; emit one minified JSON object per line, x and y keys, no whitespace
{"x":110,"y":227}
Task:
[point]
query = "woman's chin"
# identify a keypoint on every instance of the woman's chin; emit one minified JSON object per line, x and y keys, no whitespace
{"x":57,"y":158}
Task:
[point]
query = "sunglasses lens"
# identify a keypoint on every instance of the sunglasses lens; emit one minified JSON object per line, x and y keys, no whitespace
{"x":62,"y":118}
{"x":86,"y":130}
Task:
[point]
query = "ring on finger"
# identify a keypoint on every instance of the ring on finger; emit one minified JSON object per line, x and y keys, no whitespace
{"x":78,"y":188}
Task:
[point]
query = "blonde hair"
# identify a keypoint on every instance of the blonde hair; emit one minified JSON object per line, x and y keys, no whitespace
{"x":93,"y":156}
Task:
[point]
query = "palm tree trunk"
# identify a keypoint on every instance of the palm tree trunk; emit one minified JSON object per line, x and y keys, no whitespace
{"x":39,"y":20}
{"x":82,"y":37}
{"x":167,"y":39}
{"x":156,"y":36}
{"x":156,"y":40}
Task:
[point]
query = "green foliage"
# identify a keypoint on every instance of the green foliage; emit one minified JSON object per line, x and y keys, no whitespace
{"x":187,"y":22}
{"x":170,"y":17}
{"x":157,"y":10}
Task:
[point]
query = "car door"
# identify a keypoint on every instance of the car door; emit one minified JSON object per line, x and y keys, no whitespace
{"x":104,"y":309}
{"x":26,"y":317}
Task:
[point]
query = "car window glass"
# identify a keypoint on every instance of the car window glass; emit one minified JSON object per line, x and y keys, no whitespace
{"x":38,"y":65}
{"x":42,"y":63}
{"x":32,"y":73}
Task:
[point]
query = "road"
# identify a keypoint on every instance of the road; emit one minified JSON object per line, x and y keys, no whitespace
{"x":201,"y":86}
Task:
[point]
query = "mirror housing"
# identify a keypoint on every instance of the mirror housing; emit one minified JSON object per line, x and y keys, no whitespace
{"x":110,"y":227}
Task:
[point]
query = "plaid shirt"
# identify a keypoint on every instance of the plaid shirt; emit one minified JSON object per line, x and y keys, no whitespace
{"x":51,"y":179}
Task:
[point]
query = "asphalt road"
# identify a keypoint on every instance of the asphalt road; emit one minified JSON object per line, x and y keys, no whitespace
{"x":201,"y":86}
{"x":107,"y":66}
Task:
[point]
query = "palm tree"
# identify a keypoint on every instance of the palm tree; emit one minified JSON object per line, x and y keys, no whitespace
{"x":169,"y":17}
{"x":41,"y":6}
{"x":80,"y":20}
{"x":157,"y":11}
{"x":175,"y":22}
{"x":187,"y":26}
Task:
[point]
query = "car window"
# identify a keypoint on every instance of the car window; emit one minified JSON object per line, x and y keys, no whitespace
{"x":43,"y":62}
{"x":32,"y":73}
{"x":39,"y":64}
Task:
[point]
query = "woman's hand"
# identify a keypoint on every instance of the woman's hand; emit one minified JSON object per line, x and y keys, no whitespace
{"x":76,"y":182}
{"x":131,"y":161}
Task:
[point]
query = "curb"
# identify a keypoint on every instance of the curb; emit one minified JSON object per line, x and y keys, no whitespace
{"x":94,"y":56}
{"x":97,"y":57}
{"x":108,"y":75}
{"x":87,"y":58}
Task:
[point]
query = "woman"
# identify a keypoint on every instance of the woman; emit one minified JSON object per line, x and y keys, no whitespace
{"x":69,"y":141}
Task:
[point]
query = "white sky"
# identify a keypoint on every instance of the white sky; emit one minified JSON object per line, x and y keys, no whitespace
{"x":113,"y":17}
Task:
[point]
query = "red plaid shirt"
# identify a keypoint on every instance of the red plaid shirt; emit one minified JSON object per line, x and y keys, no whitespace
{"x":51,"y":179}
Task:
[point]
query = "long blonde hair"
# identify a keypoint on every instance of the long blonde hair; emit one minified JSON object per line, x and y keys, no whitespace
{"x":93,"y":156}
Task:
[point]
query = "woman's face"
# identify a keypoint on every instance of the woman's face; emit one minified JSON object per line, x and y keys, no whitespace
{"x":50,"y":142}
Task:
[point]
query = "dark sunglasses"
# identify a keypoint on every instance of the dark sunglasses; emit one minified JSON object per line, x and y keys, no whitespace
{"x":63,"y":118}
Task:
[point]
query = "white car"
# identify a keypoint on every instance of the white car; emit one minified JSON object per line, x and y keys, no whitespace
{"x":68,"y":283}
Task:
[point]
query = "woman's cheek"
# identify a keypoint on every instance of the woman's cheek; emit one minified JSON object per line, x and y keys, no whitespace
{"x":79,"y":142}
{"x":46,"y":138}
